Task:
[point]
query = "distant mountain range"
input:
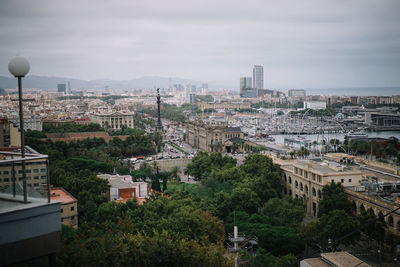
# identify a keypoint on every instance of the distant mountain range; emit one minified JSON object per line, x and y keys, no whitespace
{"x":50,"y":83}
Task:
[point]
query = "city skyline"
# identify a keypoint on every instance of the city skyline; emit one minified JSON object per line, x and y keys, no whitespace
{"x":301,"y":45}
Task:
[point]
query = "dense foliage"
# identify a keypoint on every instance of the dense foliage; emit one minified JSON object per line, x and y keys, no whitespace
{"x":337,"y":221}
{"x":72,"y":127}
{"x":250,"y":195}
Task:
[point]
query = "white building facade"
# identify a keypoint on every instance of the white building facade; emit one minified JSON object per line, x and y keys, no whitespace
{"x":258,"y":77}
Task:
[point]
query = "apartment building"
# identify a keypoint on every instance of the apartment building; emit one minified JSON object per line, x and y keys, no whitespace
{"x":9,"y":134}
{"x":36,"y":169}
{"x":69,"y":206}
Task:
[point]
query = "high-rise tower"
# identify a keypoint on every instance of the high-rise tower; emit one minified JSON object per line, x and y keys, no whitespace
{"x":159,"y":124}
{"x":258,"y":77}
{"x":246,"y":89}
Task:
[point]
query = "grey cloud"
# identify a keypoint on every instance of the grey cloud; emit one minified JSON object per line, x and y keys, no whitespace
{"x":300,"y":43}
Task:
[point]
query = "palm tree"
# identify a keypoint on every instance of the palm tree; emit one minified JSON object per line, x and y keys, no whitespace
{"x":235,"y":147}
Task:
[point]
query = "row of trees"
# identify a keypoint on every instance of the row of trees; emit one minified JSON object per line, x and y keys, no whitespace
{"x":138,"y":143}
{"x":387,"y":150}
{"x":72,"y":127}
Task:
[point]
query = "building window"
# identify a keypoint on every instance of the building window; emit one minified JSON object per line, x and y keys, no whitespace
{"x":313,"y":192}
{"x":390,"y":221}
{"x":72,"y":208}
{"x":290,"y":179}
{"x":35,"y":170}
{"x":349,"y":180}
{"x":42,"y":170}
{"x":306,"y":188}
{"x":301,"y":186}
{"x":342,"y":181}
{"x":319,"y":194}
{"x":62,"y":219}
{"x":332,"y":181}
{"x":36,"y":177}
{"x":297,"y":184}
{"x":6,"y":179}
{"x":62,"y":210}
{"x":5,"y":172}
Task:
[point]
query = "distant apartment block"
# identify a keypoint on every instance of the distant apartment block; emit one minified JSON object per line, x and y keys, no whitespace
{"x":297,"y":93}
{"x":61,"y":88}
{"x":30,"y":123}
{"x":192,"y":98}
{"x":258,"y":77}
{"x":69,"y":206}
{"x":316,"y":105}
{"x":246,"y":88}
{"x":36,"y":169}
{"x":115,"y":120}
{"x":10,"y":135}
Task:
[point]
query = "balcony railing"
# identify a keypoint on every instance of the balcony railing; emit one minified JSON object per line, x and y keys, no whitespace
{"x":14,"y":180}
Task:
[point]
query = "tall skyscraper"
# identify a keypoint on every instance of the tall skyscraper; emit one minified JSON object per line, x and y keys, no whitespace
{"x":258,"y":77}
{"x":61,"y":88}
{"x":246,"y":90}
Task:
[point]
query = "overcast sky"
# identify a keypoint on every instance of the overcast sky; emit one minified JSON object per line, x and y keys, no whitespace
{"x":301,"y":44}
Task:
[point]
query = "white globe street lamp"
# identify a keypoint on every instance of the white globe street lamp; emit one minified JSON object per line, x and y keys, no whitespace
{"x":19,"y":67}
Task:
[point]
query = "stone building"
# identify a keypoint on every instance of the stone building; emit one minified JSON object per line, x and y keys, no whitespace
{"x":305,"y":179}
{"x":115,"y":120}
{"x":216,"y":138}
{"x":370,"y":186}
{"x":380,"y":206}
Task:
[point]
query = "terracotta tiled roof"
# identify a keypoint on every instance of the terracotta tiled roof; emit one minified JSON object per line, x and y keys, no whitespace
{"x":60,"y":194}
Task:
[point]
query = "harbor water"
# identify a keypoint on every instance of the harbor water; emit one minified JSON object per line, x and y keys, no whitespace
{"x":279,"y":138}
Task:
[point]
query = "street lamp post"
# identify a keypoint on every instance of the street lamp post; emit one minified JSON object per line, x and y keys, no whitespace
{"x":19,"y":67}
